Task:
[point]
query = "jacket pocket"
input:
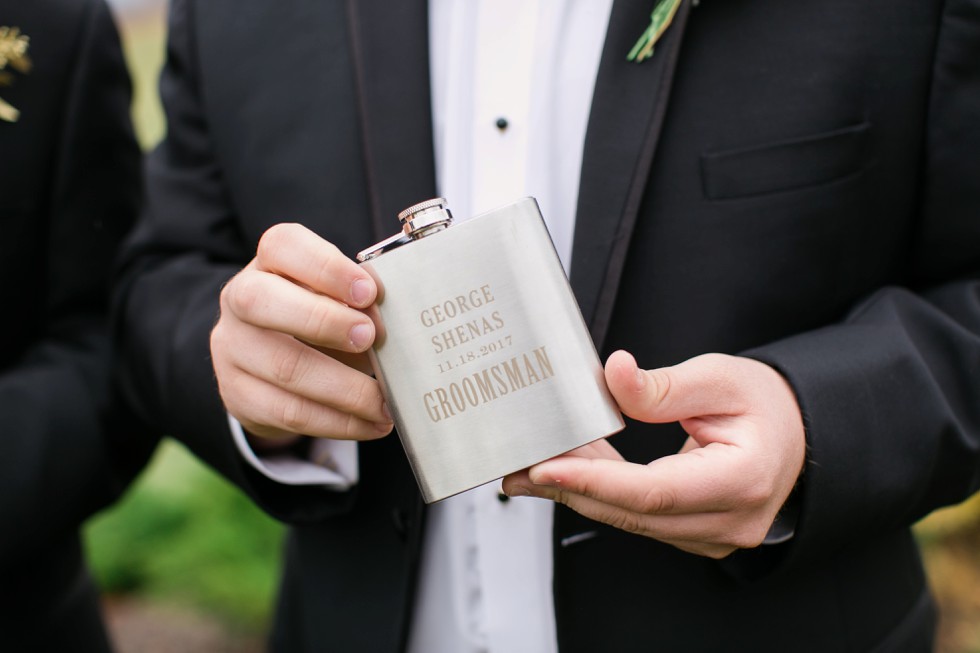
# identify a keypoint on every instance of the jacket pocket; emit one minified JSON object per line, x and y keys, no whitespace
{"x":785,"y":165}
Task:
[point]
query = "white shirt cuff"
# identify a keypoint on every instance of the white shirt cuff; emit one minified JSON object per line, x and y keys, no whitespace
{"x":332,"y":463}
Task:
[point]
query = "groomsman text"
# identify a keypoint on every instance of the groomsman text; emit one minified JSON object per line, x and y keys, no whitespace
{"x":491,"y":383}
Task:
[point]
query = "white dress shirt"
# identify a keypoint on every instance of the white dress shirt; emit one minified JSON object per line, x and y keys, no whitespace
{"x":512,"y":85}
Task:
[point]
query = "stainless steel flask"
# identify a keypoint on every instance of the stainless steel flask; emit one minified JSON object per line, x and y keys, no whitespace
{"x":482,"y":353}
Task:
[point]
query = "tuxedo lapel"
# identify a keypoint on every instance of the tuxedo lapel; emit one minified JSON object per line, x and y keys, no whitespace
{"x":390,"y":48}
{"x":628,"y":109}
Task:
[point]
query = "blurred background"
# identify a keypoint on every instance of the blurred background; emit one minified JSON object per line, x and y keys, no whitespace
{"x":187,"y":563}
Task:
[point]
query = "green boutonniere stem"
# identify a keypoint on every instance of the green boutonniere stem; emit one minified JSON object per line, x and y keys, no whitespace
{"x":660,"y":19}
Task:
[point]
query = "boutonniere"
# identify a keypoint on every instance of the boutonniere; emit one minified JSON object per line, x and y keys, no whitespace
{"x":13,"y":52}
{"x":660,"y":19}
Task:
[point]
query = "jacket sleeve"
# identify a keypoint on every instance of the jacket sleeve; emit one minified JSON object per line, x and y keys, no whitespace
{"x":891,"y":396}
{"x":61,"y":428}
{"x":186,"y":246}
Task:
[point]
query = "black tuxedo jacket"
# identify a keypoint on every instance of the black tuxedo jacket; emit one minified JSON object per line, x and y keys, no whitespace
{"x":794,"y":181}
{"x":69,"y":191}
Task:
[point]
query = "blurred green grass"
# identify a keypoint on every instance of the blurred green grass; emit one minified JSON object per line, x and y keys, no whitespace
{"x":185,"y":536}
{"x":182,"y":535}
{"x":950,"y":540}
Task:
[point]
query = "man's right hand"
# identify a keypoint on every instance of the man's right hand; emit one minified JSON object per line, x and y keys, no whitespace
{"x":287,"y":322}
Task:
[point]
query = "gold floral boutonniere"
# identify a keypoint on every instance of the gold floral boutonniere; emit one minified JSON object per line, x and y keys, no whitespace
{"x":13,"y":52}
{"x":660,"y":19}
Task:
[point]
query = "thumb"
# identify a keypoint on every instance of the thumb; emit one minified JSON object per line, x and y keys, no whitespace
{"x":702,"y":386}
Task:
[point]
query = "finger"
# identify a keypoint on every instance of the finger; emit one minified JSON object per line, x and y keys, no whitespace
{"x":597,"y":449}
{"x":706,"y":549}
{"x":294,"y":251}
{"x":517,"y":484}
{"x":705,"y":385}
{"x":269,"y":411}
{"x":289,"y":364}
{"x":714,"y":534}
{"x":689,"y":445}
{"x":358,"y":361}
{"x":709,"y":479}
{"x":272,"y":302}
{"x":513,"y":483}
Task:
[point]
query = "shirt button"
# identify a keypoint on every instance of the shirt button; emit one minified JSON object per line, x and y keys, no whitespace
{"x":501,"y":123}
{"x":502,"y":498}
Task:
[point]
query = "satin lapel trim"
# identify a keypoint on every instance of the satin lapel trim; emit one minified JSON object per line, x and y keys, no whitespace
{"x":390,"y":50}
{"x":628,"y":109}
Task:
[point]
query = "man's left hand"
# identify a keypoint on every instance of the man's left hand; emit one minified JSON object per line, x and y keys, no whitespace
{"x":722,"y":490}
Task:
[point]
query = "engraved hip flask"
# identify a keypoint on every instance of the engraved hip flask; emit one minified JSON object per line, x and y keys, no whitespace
{"x":482,"y":353}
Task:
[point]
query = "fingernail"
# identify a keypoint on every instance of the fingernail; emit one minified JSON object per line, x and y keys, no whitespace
{"x":360,"y":292}
{"x":518,"y":491}
{"x":384,"y":409}
{"x":361,"y":336}
{"x":383,"y":427}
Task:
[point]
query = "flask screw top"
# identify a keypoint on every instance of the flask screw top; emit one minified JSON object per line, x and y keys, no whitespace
{"x":425,"y":217}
